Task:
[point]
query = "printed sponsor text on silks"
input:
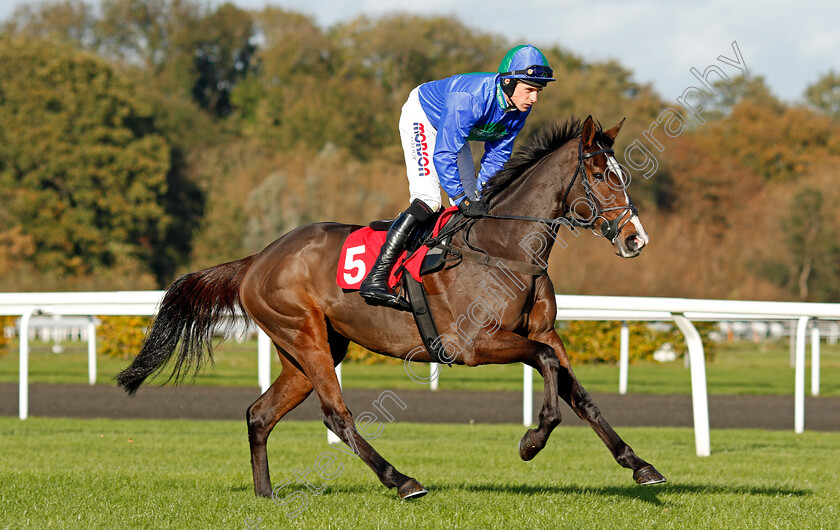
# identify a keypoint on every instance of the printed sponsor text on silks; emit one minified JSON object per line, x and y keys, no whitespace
{"x":421,"y":148}
{"x":483,"y":133}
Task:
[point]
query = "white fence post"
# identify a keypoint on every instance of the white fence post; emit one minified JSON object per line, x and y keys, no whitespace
{"x":624,"y":358}
{"x":527,"y":395}
{"x":333,"y":438}
{"x":23,"y":377}
{"x":699,"y":398}
{"x":833,"y":333}
{"x":434,"y":374}
{"x":263,"y":360}
{"x":799,"y":377}
{"x":815,"y":359}
{"x":91,"y":333}
{"x":793,"y":344}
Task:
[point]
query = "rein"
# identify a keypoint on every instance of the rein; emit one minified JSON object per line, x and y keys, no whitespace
{"x":609,"y":228}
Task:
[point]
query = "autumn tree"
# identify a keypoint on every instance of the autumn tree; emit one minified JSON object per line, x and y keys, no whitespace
{"x":810,"y":232}
{"x":401,"y":51}
{"x":187,"y":46}
{"x":741,"y":90}
{"x":776,"y":144}
{"x":303,"y":100}
{"x":824,"y":95}
{"x":84,"y":175}
{"x":72,"y":21}
{"x":224,"y":55}
{"x":150,"y":33}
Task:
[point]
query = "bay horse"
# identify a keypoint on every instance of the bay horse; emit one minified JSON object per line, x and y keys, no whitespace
{"x":566,"y":175}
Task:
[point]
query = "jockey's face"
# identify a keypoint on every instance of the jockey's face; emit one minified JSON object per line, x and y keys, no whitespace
{"x":524,"y":96}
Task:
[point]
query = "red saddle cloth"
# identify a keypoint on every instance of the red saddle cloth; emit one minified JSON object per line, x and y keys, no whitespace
{"x":361,"y":249}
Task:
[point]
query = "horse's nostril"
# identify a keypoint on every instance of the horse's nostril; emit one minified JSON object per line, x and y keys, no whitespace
{"x":632,"y":243}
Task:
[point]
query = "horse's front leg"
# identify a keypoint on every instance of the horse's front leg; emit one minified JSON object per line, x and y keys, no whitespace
{"x":581,"y":402}
{"x":505,"y":348}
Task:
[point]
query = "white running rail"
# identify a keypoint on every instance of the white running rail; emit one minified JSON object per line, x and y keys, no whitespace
{"x":682,"y":311}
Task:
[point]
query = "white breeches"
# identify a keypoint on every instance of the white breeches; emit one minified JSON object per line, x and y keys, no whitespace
{"x":418,"y":141}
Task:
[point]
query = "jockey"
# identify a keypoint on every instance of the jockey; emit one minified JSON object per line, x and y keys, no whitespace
{"x":443,"y":116}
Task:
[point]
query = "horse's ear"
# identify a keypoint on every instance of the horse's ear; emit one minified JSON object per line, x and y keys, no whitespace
{"x":587,"y":134}
{"x":612,"y":133}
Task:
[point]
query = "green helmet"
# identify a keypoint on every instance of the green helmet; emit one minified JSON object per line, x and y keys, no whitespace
{"x":527,"y":64}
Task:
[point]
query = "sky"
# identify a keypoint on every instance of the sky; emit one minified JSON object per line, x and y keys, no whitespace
{"x":790,"y":44}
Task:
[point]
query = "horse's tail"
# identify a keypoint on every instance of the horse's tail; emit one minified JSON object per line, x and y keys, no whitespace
{"x":191,"y":307}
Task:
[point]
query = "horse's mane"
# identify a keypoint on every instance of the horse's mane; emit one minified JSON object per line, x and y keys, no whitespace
{"x":543,"y":142}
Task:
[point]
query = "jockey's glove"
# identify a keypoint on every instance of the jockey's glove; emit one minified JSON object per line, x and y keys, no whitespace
{"x":473,"y":208}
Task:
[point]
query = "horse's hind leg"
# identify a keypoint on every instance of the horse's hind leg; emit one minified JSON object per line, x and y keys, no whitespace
{"x":287,"y":392}
{"x":582,"y":404}
{"x":338,"y":419}
{"x":309,"y":341}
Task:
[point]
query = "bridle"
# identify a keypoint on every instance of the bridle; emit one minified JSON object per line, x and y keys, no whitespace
{"x":609,"y":228}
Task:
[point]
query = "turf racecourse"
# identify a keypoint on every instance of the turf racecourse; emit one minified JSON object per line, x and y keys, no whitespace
{"x":71,"y":473}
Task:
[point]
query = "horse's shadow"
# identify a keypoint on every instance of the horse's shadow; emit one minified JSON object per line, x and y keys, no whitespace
{"x":643,"y":493}
{"x":648,"y":494}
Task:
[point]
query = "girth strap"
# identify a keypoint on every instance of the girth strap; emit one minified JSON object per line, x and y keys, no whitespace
{"x":425,"y":322}
{"x":492,"y":261}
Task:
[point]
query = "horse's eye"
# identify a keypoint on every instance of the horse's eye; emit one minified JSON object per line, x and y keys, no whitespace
{"x":598,"y":176}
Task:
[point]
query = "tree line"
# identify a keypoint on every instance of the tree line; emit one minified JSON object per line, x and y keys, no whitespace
{"x":140,"y":139}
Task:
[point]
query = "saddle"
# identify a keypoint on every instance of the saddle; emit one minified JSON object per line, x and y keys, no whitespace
{"x":434,"y":258}
{"x":362,"y":247}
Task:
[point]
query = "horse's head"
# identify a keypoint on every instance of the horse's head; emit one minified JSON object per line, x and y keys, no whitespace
{"x":599,"y":192}
{"x":567,"y":174}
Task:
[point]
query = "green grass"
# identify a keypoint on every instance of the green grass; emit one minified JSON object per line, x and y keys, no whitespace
{"x":69,"y":473}
{"x":738,"y":368}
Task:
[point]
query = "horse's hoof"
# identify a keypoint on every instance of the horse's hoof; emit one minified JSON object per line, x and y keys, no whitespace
{"x":648,"y":475}
{"x":527,"y":448}
{"x":411,"y":489}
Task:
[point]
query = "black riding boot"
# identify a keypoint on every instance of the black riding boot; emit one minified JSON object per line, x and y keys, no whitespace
{"x":375,"y":286}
